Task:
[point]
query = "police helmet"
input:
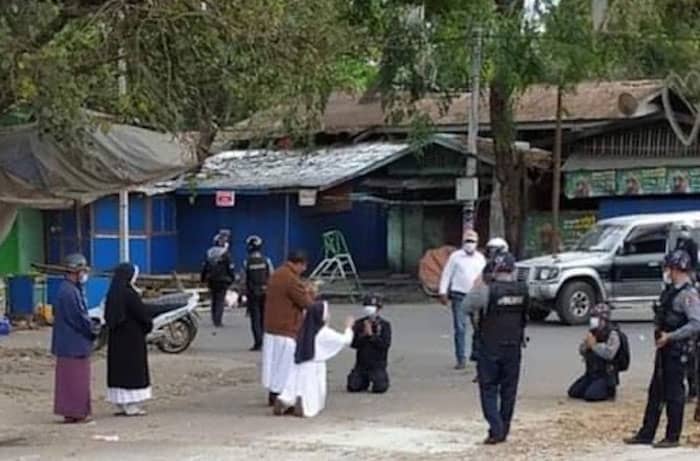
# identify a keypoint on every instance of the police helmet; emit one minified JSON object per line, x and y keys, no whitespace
{"x":601,"y":310}
{"x":497,"y":245}
{"x":372,"y":300}
{"x":502,"y":263}
{"x":76,"y":262}
{"x":678,"y":259}
{"x":253,"y":243}
{"x":685,"y":228}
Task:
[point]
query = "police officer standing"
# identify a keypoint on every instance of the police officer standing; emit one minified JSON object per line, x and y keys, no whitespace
{"x":677,"y":319}
{"x":257,"y":269}
{"x":501,"y":315}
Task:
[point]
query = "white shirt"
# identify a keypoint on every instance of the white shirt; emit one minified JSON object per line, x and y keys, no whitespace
{"x":461,"y":271}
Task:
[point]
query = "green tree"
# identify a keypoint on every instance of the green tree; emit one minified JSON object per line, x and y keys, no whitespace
{"x":556,"y":45}
{"x":190,"y":65}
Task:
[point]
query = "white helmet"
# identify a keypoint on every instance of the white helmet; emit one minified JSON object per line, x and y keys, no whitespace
{"x":496,"y":246}
{"x":498,"y":243}
{"x":685,"y":228}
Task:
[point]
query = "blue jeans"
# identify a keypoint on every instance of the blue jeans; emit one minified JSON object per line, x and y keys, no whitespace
{"x":499,"y":373}
{"x":462,"y":328}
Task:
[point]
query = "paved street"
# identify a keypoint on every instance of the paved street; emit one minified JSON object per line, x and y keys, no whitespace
{"x":208,"y":404}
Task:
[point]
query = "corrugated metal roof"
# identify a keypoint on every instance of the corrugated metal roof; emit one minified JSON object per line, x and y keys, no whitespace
{"x":589,"y":163}
{"x":294,"y":169}
{"x":588,"y":101}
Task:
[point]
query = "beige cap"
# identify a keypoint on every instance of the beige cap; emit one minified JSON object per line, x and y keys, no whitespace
{"x":470,"y":235}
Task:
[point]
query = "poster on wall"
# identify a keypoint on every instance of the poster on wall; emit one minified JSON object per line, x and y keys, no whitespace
{"x":584,"y":184}
{"x":538,"y":230}
{"x":643,"y":181}
{"x":683,"y":180}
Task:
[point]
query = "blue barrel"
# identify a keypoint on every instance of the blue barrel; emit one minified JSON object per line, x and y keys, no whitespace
{"x":21,"y":295}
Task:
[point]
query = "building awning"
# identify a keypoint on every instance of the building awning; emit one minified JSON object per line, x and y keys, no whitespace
{"x":600,"y":163}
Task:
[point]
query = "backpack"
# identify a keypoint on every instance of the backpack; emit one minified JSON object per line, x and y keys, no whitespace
{"x":622,"y":358}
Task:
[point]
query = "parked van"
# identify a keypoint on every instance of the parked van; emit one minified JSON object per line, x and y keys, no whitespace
{"x":618,"y":261}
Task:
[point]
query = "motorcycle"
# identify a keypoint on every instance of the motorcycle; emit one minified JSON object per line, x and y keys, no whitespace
{"x":175,"y":322}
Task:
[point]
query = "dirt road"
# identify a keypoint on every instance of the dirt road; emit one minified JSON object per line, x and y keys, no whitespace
{"x":208,"y":404}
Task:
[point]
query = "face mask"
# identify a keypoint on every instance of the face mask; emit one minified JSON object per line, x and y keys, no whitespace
{"x":594,"y":323}
{"x":83,"y":278}
{"x":469,"y":247}
{"x":370,"y":311}
{"x":667,"y":278}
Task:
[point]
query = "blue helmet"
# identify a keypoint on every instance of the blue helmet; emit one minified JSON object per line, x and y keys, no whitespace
{"x":678,"y":259}
{"x":601,"y":310}
{"x":372,"y":300}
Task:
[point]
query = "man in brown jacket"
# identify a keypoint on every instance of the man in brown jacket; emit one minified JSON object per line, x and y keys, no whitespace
{"x":287,"y":298}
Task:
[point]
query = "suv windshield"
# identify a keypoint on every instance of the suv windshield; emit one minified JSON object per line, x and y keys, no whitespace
{"x":601,"y":238}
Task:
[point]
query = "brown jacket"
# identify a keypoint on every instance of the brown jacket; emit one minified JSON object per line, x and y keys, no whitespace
{"x":285,"y":302}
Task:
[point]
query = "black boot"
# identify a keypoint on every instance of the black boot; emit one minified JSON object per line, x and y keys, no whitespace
{"x":271,"y":398}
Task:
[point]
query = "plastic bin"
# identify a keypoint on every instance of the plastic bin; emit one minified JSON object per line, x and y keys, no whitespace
{"x":21,"y":296}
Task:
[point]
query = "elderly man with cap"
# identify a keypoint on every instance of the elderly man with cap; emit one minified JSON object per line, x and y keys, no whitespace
{"x":599,"y":350}
{"x":462,"y":270}
{"x":71,"y":344}
{"x":676,"y":321}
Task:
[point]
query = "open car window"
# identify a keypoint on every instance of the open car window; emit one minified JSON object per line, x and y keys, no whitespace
{"x":647,"y":239}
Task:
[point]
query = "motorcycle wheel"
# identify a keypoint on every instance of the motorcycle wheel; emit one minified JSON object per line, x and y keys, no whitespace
{"x":178,"y":337}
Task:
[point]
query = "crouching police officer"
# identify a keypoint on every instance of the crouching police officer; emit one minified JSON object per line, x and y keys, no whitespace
{"x":677,"y":319}
{"x":500,"y":314}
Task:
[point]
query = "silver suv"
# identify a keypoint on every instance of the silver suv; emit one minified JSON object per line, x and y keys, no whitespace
{"x":618,"y":261}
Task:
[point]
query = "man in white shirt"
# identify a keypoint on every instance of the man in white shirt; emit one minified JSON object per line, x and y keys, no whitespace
{"x":462,"y":270}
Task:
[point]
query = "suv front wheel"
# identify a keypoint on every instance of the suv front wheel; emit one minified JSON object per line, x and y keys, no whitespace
{"x":575,"y":301}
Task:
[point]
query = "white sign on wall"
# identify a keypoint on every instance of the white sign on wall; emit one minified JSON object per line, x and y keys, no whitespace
{"x":307,"y":197}
{"x":225,"y":198}
{"x":467,"y":189}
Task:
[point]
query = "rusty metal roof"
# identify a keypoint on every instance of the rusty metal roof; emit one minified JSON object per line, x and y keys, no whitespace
{"x":588,"y":101}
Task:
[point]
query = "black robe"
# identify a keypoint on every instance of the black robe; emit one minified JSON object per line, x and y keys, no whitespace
{"x":129,"y":322}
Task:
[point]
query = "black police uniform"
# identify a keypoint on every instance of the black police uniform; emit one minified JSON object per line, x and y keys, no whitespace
{"x":371,"y":358}
{"x":218,"y":273}
{"x":257,"y":271}
{"x":669,"y":370}
{"x":501,"y":337}
{"x":601,"y":378}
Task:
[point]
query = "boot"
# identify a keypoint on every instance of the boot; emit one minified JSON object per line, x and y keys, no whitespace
{"x":271,"y":398}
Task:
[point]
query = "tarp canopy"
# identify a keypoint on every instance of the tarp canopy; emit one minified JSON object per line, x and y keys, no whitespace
{"x":38,"y":172}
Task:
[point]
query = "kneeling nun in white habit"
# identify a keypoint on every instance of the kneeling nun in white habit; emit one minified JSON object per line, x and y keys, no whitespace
{"x":305,"y":390}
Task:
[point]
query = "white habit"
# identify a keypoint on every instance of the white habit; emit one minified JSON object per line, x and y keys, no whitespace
{"x":308,"y":380}
{"x":277,"y":361}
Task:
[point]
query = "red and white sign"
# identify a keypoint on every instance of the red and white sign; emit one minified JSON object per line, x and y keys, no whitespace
{"x":225,"y":198}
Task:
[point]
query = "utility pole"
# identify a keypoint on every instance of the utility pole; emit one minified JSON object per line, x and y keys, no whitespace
{"x":124,"y":194}
{"x":473,"y":134}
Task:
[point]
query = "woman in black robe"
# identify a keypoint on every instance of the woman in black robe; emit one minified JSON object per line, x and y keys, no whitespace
{"x":128,"y":321}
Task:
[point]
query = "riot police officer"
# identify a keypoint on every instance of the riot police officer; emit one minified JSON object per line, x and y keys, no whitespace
{"x":677,"y":320}
{"x":501,"y":307}
{"x":257,"y":269}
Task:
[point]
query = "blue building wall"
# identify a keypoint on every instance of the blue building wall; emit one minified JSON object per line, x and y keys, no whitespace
{"x":364,"y":228}
{"x":620,"y":206}
{"x":152,"y":228}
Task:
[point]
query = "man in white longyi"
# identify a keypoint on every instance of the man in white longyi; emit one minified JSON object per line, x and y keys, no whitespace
{"x":287,"y":298}
{"x":304,"y":394}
